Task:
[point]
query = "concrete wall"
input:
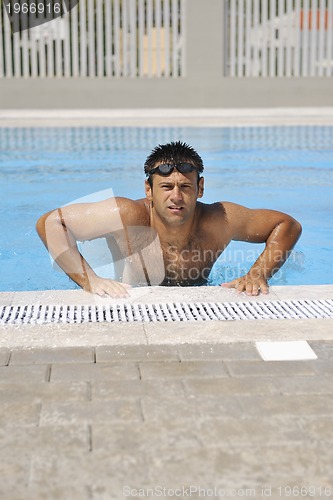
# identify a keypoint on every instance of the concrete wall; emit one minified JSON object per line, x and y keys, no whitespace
{"x":203,"y":86}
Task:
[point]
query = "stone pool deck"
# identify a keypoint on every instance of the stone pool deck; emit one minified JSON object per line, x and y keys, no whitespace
{"x":160,"y":410}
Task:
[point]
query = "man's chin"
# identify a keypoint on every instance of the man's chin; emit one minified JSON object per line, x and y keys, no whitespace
{"x":175,"y":219}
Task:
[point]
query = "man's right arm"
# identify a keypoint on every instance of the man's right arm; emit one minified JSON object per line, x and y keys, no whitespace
{"x":62,"y":228}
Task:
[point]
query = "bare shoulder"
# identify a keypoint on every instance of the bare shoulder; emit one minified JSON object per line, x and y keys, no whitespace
{"x":232,"y":208}
{"x":133,"y":212}
{"x":213,"y":230}
{"x":87,"y":221}
{"x":212,"y":216}
{"x":118,"y":212}
{"x":223,"y":216}
{"x":255,"y":224}
{"x":232,"y":213}
{"x":236,"y":213}
{"x":125,"y":207}
{"x":212,"y":212}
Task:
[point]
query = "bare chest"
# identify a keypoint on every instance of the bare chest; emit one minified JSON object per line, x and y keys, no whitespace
{"x":190,"y":265}
{"x":149,"y":260}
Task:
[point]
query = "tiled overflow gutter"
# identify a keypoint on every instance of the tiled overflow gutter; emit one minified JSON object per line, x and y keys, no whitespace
{"x":196,"y":311}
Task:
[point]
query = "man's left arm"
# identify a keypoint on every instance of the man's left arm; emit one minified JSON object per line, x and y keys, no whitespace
{"x":277,"y":230}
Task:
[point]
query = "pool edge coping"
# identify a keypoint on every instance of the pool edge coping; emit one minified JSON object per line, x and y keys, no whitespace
{"x":167,"y":333}
{"x":161,"y":117}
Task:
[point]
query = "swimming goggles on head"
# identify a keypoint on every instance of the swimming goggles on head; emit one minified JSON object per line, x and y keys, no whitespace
{"x":167,"y":168}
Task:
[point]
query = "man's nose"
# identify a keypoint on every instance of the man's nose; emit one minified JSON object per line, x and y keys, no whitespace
{"x":176,"y":194}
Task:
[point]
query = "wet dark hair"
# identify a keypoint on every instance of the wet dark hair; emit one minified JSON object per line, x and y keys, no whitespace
{"x":173,"y":152}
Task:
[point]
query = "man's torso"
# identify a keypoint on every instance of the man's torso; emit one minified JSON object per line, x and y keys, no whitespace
{"x":143,"y":257}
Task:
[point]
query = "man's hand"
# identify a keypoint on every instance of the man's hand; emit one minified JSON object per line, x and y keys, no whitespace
{"x":106,"y":287}
{"x":251,"y":285}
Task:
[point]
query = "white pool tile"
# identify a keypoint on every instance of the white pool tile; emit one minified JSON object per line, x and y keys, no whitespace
{"x":285,"y":351}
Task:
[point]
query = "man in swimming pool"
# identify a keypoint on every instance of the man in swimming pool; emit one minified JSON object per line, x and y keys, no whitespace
{"x":168,"y":237}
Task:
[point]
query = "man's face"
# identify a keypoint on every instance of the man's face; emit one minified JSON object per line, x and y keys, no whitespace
{"x":174,"y":196}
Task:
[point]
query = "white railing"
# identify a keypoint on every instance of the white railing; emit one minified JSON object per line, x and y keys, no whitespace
{"x":279,"y":38}
{"x":99,"y":38}
{"x":146,"y":39}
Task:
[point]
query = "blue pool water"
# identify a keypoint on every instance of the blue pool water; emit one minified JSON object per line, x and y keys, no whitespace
{"x":283,"y":168}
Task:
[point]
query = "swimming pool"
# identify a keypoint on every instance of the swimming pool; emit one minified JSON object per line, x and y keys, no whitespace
{"x":284,"y":168}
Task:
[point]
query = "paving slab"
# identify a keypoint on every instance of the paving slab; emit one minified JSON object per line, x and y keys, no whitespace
{"x":190,"y":408}
{"x":136,"y":389}
{"x":323,"y":349}
{"x":25,"y":391}
{"x":251,"y":431}
{"x":219,"y":388}
{"x":28,"y":374}
{"x":269,"y":368}
{"x":143,"y":436}
{"x":286,"y":404}
{"x":318,"y":428}
{"x":183,"y":370}
{"x":18,"y":413}
{"x":87,"y":372}
{"x":89,"y":413}
{"x":173,"y":469}
{"x":44,"y":439}
{"x":15,"y":472}
{"x":105,"y":354}
{"x":55,"y":355}
{"x":58,"y":492}
{"x":321,"y":384}
{"x":235,"y":351}
{"x":324,"y":367}
{"x":103,"y":474}
{"x":279,"y":466}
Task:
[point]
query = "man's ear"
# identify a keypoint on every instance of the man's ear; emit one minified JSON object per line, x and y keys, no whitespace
{"x":201,"y":187}
{"x":148,"y":190}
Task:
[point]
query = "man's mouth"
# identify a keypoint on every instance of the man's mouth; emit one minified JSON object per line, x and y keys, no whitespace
{"x":176,"y":209}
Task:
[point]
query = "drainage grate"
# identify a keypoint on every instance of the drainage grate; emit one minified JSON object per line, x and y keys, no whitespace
{"x":203,"y":311}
